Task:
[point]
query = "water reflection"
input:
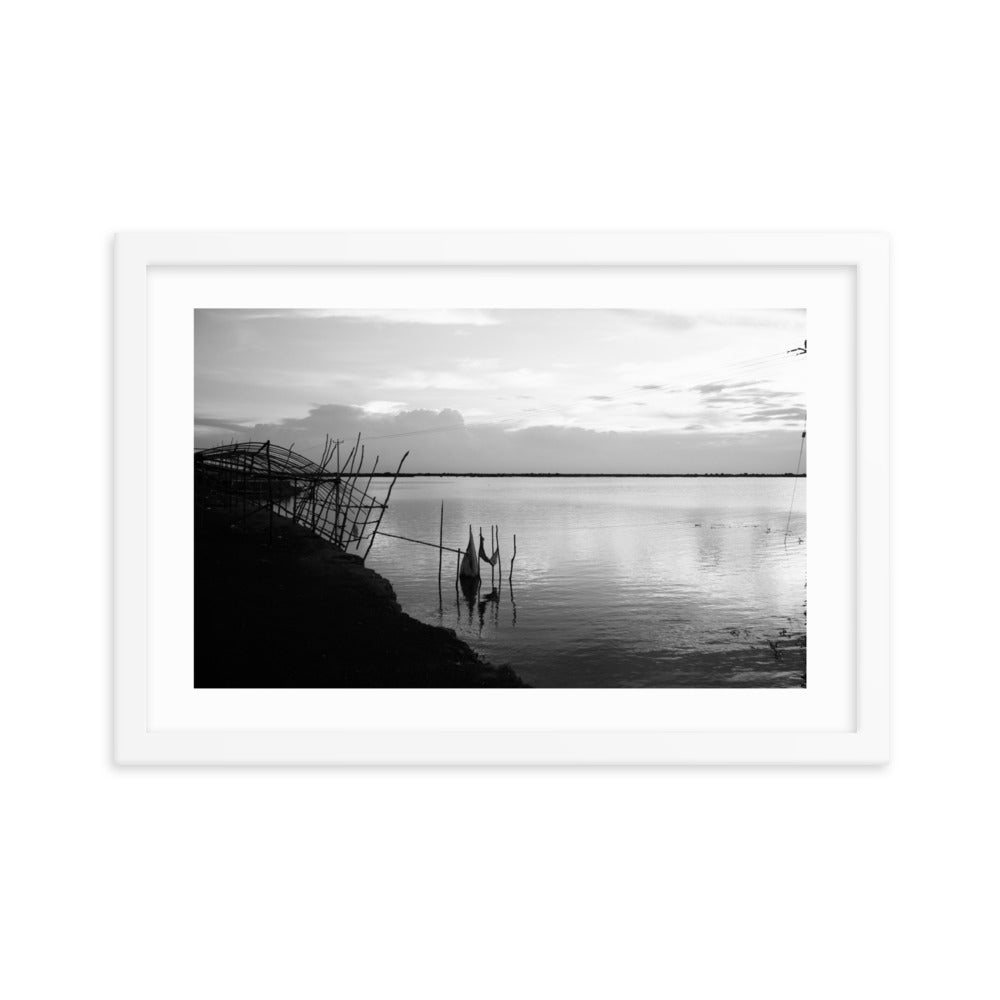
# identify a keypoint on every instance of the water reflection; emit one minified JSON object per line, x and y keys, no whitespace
{"x":479,"y":603}
{"x":619,"y":581}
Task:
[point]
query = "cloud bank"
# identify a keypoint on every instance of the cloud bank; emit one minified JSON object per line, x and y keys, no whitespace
{"x":442,"y":441}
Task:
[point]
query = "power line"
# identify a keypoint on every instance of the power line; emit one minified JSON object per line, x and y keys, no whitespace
{"x":426,"y":430}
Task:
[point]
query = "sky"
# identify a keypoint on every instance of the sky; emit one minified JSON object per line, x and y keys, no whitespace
{"x":510,"y":390}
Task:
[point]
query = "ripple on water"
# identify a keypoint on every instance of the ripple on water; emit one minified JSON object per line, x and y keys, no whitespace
{"x":617,"y":582}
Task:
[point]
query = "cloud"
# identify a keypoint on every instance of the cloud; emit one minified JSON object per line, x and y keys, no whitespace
{"x":715,"y":388}
{"x":339,"y":420}
{"x":733,"y":319}
{"x":422,"y":317}
{"x":556,"y":367}
{"x":234,"y":426}
{"x":774,"y":319}
{"x":418,"y":380}
{"x":784,"y":411}
{"x":442,"y":441}
{"x":383,"y":406}
{"x":661,"y":320}
{"x":780,"y":413}
{"x":749,"y":402}
{"x":473,"y":380}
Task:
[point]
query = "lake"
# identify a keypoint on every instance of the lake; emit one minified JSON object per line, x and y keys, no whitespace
{"x":618,"y":582}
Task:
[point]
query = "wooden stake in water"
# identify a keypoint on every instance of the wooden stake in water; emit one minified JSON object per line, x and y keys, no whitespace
{"x":795,"y":482}
{"x":440,"y":547}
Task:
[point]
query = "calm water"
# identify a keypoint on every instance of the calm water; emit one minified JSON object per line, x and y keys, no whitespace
{"x":617,"y":582}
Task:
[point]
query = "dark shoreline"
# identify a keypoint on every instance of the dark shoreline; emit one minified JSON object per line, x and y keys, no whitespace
{"x":298,"y":613}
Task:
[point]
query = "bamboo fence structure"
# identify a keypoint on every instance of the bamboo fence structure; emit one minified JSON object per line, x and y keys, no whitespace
{"x":336,"y":503}
{"x":333,"y":501}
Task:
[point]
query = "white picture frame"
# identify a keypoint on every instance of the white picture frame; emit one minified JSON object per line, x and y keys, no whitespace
{"x":867,"y":255}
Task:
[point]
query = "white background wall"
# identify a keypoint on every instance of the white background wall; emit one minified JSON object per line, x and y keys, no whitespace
{"x":688,"y":883}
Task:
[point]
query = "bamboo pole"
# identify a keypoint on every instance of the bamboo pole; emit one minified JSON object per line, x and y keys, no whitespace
{"x":243,"y":491}
{"x":440,"y":548}
{"x":361,"y":505}
{"x":385,"y":504}
{"x":342,"y":470}
{"x":419,"y":541}
{"x":368,"y":517}
{"x":350,"y":472}
{"x":270,"y":499}
{"x":336,"y":487}
{"x":352,"y":489}
{"x":312,"y":513}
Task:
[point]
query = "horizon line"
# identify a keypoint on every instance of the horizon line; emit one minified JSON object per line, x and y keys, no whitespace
{"x":593,"y":475}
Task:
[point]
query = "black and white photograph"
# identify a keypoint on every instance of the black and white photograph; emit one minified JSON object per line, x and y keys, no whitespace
{"x":543,"y":498}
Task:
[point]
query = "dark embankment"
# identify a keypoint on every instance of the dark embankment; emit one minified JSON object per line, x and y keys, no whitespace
{"x":299,"y":613}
